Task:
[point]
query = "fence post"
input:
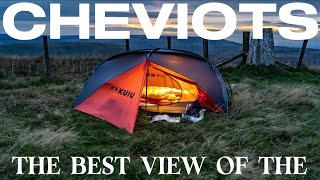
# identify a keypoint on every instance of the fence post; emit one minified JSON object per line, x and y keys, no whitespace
{"x":245,"y":46}
{"x":303,"y":50}
{"x":169,"y":42}
{"x":206,"y":48}
{"x":46,"y":54}
{"x":127,"y":45}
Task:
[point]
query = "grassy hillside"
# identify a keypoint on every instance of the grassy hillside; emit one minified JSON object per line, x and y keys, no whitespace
{"x":274,"y":112}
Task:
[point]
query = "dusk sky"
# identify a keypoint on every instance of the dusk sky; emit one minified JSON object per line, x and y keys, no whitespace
{"x":213,"y":21}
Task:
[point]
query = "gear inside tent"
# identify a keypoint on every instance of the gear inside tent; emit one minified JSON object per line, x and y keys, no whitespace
{"x":166,"y":91}
{"x":163,"y":81}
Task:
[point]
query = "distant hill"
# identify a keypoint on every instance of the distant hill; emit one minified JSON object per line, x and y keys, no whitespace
{"x":64,"y":49}
{"x":72,"y":46}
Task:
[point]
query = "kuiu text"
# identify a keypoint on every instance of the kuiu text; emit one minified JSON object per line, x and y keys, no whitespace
{"x":122,"y":92}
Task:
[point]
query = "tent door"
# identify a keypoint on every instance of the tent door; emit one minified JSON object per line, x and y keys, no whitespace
{"x":166,"y":91}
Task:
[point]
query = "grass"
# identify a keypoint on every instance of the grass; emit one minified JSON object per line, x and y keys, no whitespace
{"x":273,"y":112}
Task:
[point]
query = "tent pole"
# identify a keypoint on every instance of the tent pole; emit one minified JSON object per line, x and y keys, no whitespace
{"x":146,"y":105}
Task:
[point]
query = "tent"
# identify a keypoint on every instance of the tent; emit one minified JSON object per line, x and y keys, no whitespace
{"x":163,"y":81}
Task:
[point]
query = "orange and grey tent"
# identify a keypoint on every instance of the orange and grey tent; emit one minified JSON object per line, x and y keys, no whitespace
{"x":163,"y":81}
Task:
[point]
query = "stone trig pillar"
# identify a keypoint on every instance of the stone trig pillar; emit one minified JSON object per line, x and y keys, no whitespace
{"x":261,"y":51}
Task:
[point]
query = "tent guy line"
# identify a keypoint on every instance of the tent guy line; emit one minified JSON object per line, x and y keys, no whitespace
{"x":155,"y":30}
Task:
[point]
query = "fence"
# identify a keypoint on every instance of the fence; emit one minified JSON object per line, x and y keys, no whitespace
{"x":50,"y":63}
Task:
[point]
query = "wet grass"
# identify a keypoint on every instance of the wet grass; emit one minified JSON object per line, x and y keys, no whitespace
{"x":273,"y":112}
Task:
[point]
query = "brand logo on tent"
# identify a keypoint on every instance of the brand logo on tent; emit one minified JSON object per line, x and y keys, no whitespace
{"x":153,"y":75}
{"x":122,"y":92}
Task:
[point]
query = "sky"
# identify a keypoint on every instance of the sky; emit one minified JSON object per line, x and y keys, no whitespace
{"x":213,"y":21}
